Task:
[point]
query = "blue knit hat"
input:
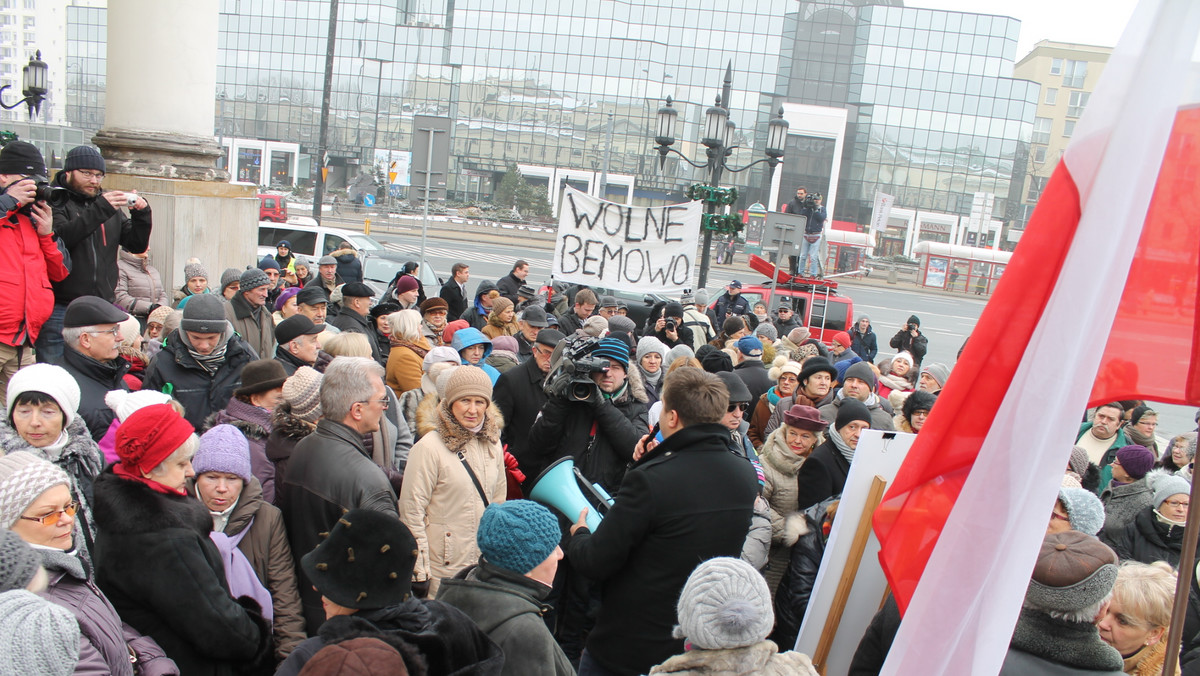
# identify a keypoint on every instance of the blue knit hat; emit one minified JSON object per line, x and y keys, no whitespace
{"x":613,"y":348}
{"x":517,"y":535}
{"x":223,"y":449}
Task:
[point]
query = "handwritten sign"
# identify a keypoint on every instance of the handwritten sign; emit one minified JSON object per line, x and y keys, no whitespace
{"x":614,"y":246}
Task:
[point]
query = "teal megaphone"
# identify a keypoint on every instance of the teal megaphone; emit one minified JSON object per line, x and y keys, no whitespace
{"x":557,"y":487}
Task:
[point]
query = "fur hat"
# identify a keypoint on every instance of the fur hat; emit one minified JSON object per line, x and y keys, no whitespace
{"x":53,"y":381}
{"x":366,"y":562}
{"x":223,"y":449}
{"x":517,"y":535}
{"x":725,"y":604}
{"x":1073,"y":571}
{"x":1084,"y":509}
{"x":261,"y":375}
{"x":23,"y":477}
{"x":917,"y":401}
{"x":468,"y":382}
{"x":303,"y":391}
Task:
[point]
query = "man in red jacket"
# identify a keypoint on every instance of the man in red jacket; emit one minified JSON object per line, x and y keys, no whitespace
{"x":29,"y":259}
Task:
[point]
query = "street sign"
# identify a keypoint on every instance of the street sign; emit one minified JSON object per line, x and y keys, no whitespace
{"x":431,"y":153}
{"x":368,"y":200}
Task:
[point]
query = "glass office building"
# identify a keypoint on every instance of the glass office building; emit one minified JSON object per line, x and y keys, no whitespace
{"x":569,"y":91}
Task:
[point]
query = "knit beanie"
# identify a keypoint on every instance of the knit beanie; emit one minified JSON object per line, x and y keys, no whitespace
{"x":649,"y":344}
{"x":83,"y":157}
{"x":1136,"y":460}
{"x":863,"y":371}
{"x":612,"y":348}
{"x":701,"y":297}
{"x":442,"y":377}
{"x":725,"y":604}
{"x":131,"y":330}
{"x":284,"y":296}
{"x":517,"y":535}
{"x":849,"y":411}
{"x":230,"y":276}
{"x":903,"y":355}
{"x":19,"y":563}
{"x":268,"y":262}
{"x":713,"y":360}
{"x":842,"y":338}
{"x":205,"y":313}
{"x":1164,"y":488}
{"x":23,"y":477}
{"x":453,"y":328}
{"x":124,"y":402}
{"x":37,"y":636}
{"x":363,"y":656}
{"x":223,"y":449}
{"x":21,"y":157}
{"x":194,"y":270}
{"x":622,"y":323}
{"x":680,"y":351}
{"x":1079,"y":460}
{"x":939,"y":372}
{"x":1074,"y":570}
{"x":148,"y":436}
{"x":1084,"y":509}
{"x":303,"y":392}
{"x":799,"y":335}
{"x":767,"y":331}
{"x":173,"y":321}
{"x":50,"y":380}
{"x":159,"y":315}
{"x":595,"y":326}
{"x":441,"y":353}
{"x":252,"y":279}
{"x":467,"y":382}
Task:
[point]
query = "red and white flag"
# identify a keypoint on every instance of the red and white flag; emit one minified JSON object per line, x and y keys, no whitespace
{"x":1104,"y":281}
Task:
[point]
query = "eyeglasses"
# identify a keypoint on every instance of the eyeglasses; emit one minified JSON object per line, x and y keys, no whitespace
{"x":1177,"y":503}
{"x":1060,"y":517}
{"x":53,"y":518}
{"x":382,"y":402}
{"x":738,"y":407}
{"x":90,"y":173}
{"x":115,"y":331}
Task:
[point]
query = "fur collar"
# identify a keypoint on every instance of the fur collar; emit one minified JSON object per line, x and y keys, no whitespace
{"x":637,"y":387}
{"x":752,"y":659}
{"x":122,"y":506}
{"x":901,"y":424}
{"x":795,"y":526}
{"x":427,"y":414}
{"x":288,"y":425}
{"x":456,"y":437}
{"x":252,"y":421}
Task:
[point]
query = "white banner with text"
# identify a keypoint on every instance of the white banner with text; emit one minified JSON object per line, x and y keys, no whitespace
{"x":615,"y":246}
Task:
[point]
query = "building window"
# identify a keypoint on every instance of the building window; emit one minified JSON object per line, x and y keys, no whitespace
{"x":1077,"y":103}
{"x":1051,"y":96}
{"x":1036,"y":185}
{"x":1039,"y":154}
{"x":1041,"y":129}
{"x":1074,"y":73}
{"x":1056,"y":66}
{"x":1068,"y":128}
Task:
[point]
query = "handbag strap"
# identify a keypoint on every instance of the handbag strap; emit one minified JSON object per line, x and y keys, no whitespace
{"x":474,"y":479}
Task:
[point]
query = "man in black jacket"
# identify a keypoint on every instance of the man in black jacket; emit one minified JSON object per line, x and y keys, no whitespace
{"x":356,"y":303}
{"x":910,"y":339}
{"x":687,"y":499}
{"x":330,"y":470}
{"x":454,"y":291}
{"x":92,"y":336}
{"x":511,"y":283}
{"x":520,"y":397}
{"x":92,"y":227}
{"x":824,"y":473}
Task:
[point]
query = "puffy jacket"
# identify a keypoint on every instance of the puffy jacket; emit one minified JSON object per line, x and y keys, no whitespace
{"x":405,"y":364}
{"x":464,"y":338}
{"x":92,"y":230}
{"x":138,"y":285}
{"x":439,"y":502}
{"x":509,"y":608}
{"x":805,"y":544}
{"x":255,"y":424}
{"x":95,"y":380}
{"x":202,"y":394}
{"x":1147,"y":539}
{"x":254,"y":325}
{"x":106,"y":640}
{"x":29,"y":264}
{"x":866,"y":344}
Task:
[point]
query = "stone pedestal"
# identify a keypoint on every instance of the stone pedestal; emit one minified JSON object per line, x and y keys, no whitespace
{"x":158,"y":135}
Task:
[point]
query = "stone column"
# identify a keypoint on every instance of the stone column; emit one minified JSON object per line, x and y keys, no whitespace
{"x":158,"y":135}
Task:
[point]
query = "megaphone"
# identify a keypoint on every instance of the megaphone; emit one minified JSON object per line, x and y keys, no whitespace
{"x":557,"y":487}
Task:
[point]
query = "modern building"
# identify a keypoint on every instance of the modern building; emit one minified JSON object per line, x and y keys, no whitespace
{"x":26,"y":27}
{"x":1067,"y":74}
{"x":568,"y":92}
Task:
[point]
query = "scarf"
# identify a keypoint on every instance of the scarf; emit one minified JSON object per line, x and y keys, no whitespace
{"x":54,"y":451}
{"x":773,"y":398}
{"x":400,"y":342}
{"x":1137,"y":437}
{"x":120,"y":470}
{"x":209,"y":362}
{"x":895,"y":382}
{"x":653,"y":379}
{"x":842,"y":446}
{"x":435,"y":336}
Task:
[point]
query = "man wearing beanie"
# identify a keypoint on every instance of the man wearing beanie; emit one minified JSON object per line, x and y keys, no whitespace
{"x":248,"y":313}
{"x":268,"y":265}
{"x":910,"y":339}
{"x":92,"y":226}
{"x":1056,"y":632}
{"x":520,"y":396}
{"x":685,"y":500}
{"x":201,"y":363}
{"x":505,"y":593}
{"x":859,"y":383}
{"x":670,"y":330}
{"x":824,"y":473}
{"x":1131,"y":489}
{"x":92,"y":357}
{"x":29,"y":258}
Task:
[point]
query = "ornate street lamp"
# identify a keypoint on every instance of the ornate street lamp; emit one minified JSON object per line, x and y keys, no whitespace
{"x":34,"y":86}
{"x":719,"y":136}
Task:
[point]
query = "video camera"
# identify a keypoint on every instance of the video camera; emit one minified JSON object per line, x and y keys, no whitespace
{"x":810,"y":200}
{"x":571,"y":372}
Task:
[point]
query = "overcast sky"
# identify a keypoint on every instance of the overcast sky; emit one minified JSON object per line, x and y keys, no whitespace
{"x":1079,"y":21}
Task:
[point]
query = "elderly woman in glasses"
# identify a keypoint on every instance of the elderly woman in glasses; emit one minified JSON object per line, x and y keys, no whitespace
{"x":37,"y":505}
{"x":155,"y":561}
{"x":43,"y":419}
{"x":1156,"y":533}
{"x":781,"y":455}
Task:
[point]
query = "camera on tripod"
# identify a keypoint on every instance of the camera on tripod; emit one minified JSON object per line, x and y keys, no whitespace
{"x":571,"y":374}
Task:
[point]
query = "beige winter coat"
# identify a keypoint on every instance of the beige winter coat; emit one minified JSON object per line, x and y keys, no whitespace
{"x":781,"y":492}
{"x":761,"y":659}
{"x":438,"y":501}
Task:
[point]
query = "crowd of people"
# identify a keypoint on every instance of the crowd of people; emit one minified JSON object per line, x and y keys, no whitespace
{"x":289,"y":472}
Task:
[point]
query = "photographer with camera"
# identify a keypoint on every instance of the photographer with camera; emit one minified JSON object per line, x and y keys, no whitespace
{"x":670,"y":327}
{"x":92,"y":226}
{"x":910,"y":339}
{"x":28,"y":256}
{"x":809,"y":206}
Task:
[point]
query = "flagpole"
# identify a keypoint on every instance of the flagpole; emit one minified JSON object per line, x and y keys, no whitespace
{"x":1183,"y":586}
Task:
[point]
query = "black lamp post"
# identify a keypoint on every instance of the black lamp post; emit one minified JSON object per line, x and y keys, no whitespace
{"x":718,"y":139}
{"x":34,"y":86}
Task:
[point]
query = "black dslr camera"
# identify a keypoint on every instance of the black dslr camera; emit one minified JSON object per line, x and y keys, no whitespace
{"x":571,"y":374}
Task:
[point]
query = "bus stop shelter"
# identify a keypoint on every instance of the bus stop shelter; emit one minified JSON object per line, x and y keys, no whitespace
{"x":966,"y":269}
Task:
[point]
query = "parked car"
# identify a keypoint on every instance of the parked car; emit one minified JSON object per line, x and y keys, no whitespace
{"x":272,"y":208}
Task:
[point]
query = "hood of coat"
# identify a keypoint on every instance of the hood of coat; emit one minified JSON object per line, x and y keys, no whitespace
{"x":637,"y":386}
{"x":456,"y":437}
{"x":901,"y":424}
{"x":130,"y":507}
{"x":464,"y":338}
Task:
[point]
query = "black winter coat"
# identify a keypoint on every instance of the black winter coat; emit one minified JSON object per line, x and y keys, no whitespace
{"x":877,"y":640}
{"x":329,"y":473}
{"x":795,"y":588}
{"x":865,"y":345}
{"x":163,"y":575}
{"x":565,"y":428}
{"x":350,"y":321}
{"x":917,"y":347}
{"x":688,"y":500}
{"x":95,"y":379}
{"x":508,"y":286}
{"x":753,"y":373}
{"x":822,"y":475}
{"x":92,"y":230}
{"x":471,"y":314}
{"x":519,"y":396}
{"x":454,"y":297}
{"x":732,"y":306}
{"x":200,"y":393}
{"x":349,"y":267}
{"x":286,"y":431}
{"x":1148,"y":540}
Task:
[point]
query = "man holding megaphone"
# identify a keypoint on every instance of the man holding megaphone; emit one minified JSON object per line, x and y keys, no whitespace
{"x":686,"y":500}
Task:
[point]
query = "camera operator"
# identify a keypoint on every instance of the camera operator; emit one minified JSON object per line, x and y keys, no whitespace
{"x":92,"y":226}
{"x":809,"y":206}
{"x":670,"y":328}
{"x":910,"y":339}
{"x":29,"y":257}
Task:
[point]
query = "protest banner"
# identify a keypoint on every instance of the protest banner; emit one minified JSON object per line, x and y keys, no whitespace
{"x":615,"y":246}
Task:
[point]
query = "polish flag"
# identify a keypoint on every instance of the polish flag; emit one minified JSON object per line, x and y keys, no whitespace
{"x":1102,"y":290}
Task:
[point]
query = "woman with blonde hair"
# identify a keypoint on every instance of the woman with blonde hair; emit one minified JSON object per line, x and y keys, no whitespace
{"x":1139,"y":615}
{"x":347,"y":344}
{"x":407,"y":356}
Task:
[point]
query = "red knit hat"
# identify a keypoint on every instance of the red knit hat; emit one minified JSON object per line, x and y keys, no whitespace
{"x":842,"y":338}
{"x":149,"y":435}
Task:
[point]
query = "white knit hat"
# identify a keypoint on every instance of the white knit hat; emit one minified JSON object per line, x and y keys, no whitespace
{"x":49,"y":379}
{"x":724,"y":604}
{"x":124,"y":402}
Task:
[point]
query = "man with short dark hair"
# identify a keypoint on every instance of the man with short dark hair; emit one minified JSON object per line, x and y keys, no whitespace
{"x":1103,"y":437}
{"x":520,"y":397}
{"x":686,"y":499}
{"x":454,"y":291}
{"x":92,"y":336}
{"x":247,"y":312}
{"x":585,"y":303}
{"x":510,"y":284}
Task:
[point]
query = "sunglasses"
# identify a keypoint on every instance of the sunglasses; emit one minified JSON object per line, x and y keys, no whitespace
{"x":738,"y":407}
{"x":55,"y":517}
